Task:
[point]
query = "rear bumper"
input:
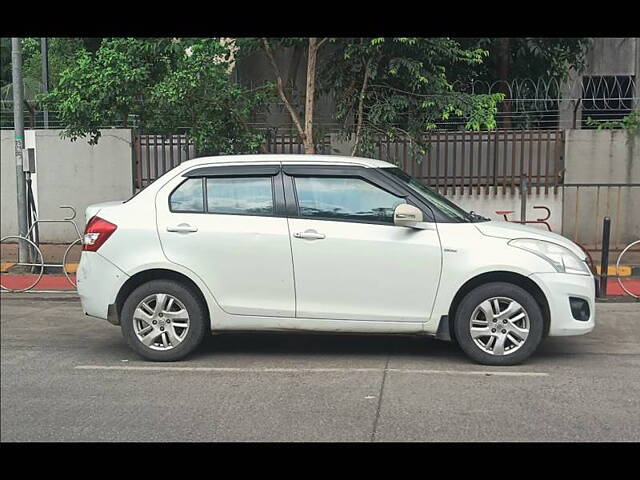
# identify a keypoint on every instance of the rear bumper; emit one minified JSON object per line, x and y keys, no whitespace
{"x":99,"y":281}
{"x":558,"y":287}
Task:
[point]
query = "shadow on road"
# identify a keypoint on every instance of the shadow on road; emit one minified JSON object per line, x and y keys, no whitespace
{"x":270,"y":343}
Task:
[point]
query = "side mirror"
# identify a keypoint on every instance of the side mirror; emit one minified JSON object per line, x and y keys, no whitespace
{"x":406,"y":215}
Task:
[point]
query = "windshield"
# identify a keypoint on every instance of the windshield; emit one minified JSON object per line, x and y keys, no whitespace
{"x":442,"y":203}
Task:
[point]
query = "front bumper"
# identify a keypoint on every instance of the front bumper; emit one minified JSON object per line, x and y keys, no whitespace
{"x":558,"y":287}
{"x":99,"y":282}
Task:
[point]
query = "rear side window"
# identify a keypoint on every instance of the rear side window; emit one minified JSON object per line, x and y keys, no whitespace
{"x":240,"y":195}
{"x":345,"y":199}
{"x":230,"y":195}
{"x":188,"y":197}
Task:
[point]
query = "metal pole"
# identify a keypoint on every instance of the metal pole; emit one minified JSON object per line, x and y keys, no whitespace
{"x":604,"y":261}
{"x":44,"y":54}
{"x":18,"y":125}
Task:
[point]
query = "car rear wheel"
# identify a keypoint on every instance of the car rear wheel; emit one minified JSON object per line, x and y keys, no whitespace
{"x":163,"y":320}
{"x":499,"y":324}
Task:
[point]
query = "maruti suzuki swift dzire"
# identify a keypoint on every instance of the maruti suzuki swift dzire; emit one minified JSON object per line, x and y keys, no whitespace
{"x":328,"y":244}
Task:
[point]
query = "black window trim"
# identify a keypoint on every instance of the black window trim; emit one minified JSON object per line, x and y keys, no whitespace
{"x":240,"y":171}
{"x":283,"y":190}
{"x":269,"y":170}
{"x":369,"y":175}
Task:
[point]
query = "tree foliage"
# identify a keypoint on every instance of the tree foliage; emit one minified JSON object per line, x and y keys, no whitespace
{"x":526,"y":57}
{"x":196,"y":90}
{"x":401,"y":87}
{"x":381,"y":86}
{"x":163,"y":84}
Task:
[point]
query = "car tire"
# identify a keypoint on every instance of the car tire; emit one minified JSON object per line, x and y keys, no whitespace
{"x":145,"y":298}
{"x":496,"y":304}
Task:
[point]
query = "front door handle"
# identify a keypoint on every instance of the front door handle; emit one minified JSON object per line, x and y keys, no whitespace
{"x":309,"y":235}
{"x":182,"y":228}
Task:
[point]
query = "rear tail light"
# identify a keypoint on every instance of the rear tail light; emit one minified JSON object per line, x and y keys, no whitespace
{"x":96,"y":233}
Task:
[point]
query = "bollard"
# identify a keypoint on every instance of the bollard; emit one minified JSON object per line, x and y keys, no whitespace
{"x":604,"y":260}
{"x":523,"y":199}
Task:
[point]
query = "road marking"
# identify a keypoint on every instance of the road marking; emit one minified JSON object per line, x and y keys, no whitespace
{"x":309,"y":370}
{"x":474,"y":372}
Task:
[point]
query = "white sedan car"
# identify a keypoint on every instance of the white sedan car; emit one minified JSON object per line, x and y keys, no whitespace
{"x":328,"y":244}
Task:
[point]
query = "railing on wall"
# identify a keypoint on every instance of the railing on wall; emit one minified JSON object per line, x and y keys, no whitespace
{"x":287,"y":142}
{"x":462,"y":162}
{"x":482,"y":162}
{"x":157,"y":154}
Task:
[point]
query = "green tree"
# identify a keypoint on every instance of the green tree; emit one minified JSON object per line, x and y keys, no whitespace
{"x":196,"y":92}
{"x":285,"y":86}
{"x":549,"y":60}
{"x":162,"y":85}
{"x":401,"y":87}
{"x":527,"y":57}
{"x":388,"y":86}
{"x":62,"y":54}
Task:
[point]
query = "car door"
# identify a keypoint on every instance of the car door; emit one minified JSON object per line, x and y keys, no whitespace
{"x":350,"y":261}
{"x":226,"y":224}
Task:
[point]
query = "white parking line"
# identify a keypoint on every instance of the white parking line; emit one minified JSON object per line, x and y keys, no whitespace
{"x":474,"y":372}
{"x":308,"y":370}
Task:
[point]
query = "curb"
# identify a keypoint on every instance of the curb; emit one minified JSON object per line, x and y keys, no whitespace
{"x":624,"y":271}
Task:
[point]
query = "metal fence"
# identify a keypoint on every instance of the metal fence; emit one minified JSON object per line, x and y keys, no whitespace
{"x":482,"y":161}
{"x":287,"y":142}
{"x":157,"y":154}
{"x":476,"y":161}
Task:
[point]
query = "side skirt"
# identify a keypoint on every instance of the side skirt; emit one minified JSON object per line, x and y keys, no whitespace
{"x":245,"y":323}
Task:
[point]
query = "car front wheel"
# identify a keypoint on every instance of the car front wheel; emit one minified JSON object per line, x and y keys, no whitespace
{"x":163,"y":321}
{"x":499,"y":324}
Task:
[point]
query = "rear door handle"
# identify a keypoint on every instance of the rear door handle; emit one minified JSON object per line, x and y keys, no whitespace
{"x":182,"y":228}
{"x":309,"y":235}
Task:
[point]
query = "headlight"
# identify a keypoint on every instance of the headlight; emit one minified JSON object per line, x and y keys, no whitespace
{"x":561,"y":258}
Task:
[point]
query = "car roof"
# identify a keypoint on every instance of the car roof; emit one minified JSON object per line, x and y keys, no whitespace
{"x":289,"y":158}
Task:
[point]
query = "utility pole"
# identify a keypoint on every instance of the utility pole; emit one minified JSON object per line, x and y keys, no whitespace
{"x":44,"y":54}
{"x":18,"y":125}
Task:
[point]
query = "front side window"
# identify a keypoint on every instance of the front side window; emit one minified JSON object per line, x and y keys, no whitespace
{"x":446,"y":206}
{"x":345,"y":199}
{"x":240,"y":195}
{"x":188,"y":197}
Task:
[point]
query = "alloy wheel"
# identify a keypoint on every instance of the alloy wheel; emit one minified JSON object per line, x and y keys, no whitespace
{"x":499,"y":326}
{"x":161,"y":321}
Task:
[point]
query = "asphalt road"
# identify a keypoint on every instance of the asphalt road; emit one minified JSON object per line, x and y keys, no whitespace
{"x":67,"y":377}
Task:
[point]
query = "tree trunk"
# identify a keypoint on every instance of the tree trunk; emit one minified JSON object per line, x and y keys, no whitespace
{"x":359,"y":120}
{"x":306,"y":132}
{"x":281,"y":91}
{"x":309,"y":145}
{"x":504,"y":70}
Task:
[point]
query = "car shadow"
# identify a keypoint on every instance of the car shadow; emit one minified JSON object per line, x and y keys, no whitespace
{"x":323,"y":344}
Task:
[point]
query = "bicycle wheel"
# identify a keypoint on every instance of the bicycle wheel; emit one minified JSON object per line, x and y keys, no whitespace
{"x":627,"y":291}
{"x":64,"y":261}
{"x":17,"y":275}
